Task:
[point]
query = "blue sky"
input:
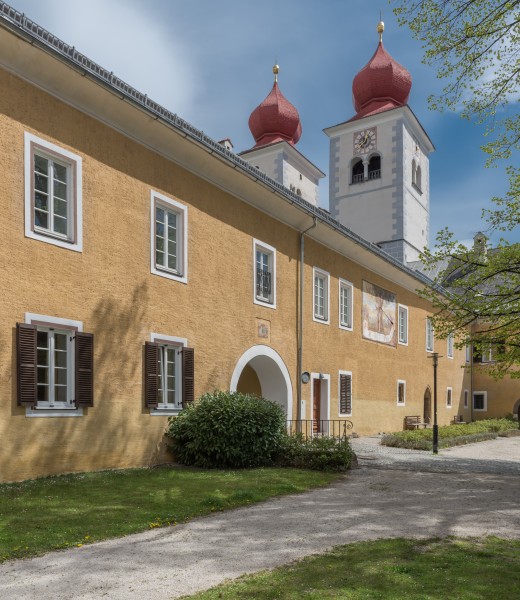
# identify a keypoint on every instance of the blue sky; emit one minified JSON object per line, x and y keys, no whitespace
{"x":210,"y":62}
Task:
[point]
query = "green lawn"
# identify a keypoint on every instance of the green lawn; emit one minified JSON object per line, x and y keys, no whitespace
{"x":70,"y":510}
{"x":445,"y":569}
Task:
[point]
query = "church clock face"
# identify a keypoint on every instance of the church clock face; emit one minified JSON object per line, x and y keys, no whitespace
{"x":365,"y":141}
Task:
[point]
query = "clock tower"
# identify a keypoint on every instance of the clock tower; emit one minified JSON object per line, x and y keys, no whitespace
{"x":379,"y":176}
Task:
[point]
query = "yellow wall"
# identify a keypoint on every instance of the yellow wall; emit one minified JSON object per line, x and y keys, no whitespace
{"x":110,"y":289}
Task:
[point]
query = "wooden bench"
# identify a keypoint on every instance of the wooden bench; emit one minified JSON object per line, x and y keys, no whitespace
{"x":458,"y":420}
{"x":414,"y":422}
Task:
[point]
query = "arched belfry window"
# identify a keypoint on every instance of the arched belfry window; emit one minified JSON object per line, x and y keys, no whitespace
{"x":374,"y":167}
{"x":358,"y":171}
{"x":418,"y":177}
{"x":414,"y":167}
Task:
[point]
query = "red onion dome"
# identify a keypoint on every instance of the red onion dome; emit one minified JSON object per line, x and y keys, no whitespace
{"x":381,"y":84}
{"x":275,"y":119}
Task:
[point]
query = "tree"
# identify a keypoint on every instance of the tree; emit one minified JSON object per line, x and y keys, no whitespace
{"x":476,"y":45}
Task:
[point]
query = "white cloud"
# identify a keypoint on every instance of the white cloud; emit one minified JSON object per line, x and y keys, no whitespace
{"x":125,"y":39}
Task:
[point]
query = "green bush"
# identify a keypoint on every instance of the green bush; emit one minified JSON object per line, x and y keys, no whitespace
{"x":318,"y":453}
{"x":227,"y":430}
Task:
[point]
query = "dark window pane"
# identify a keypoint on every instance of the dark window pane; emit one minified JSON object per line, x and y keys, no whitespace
{"x":60,"y":376}
{"x":60,"y":393}
{"x":41,"y":164}
{"x":41,"y":219}
{"x":43,"y":393}
{"x":43,"y":375}
{"x":41,"y":201}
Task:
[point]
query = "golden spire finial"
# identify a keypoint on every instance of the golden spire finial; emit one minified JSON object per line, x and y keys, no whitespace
{"x":380,"y":27}
{"x":276,"y":68}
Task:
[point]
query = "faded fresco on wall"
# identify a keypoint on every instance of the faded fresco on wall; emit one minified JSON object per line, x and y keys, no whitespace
{"x":379,"y":318}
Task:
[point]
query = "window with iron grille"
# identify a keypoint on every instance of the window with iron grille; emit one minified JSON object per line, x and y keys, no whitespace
{"x":480,"y":401}
{"x":264,"y":257}
{"x":53,"y":179}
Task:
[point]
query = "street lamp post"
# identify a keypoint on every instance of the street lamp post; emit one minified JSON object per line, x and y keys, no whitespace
{"x":435,"y":357}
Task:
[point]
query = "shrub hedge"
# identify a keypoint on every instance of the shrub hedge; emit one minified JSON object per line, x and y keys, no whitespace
{"x":450,"y":435}
{"x":228,"y":430}
{"x":318,"y":453}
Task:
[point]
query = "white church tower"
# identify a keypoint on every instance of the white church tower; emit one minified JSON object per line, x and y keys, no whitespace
{"x":276,"y":127}
{"x":379,"y":166}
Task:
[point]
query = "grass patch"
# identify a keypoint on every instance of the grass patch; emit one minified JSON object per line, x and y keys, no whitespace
{"x":451,"y":435}
{"x":71,"y":510}
{"x":390,"y":570}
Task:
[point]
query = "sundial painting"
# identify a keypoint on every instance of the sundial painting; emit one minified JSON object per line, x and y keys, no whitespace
{"x":379,"y":320}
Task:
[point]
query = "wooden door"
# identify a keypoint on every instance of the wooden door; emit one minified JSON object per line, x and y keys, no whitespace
{"x":427,"y":409}
{"x":316,"y":405}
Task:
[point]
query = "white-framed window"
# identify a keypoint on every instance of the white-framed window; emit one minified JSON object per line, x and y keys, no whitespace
{"x":53,"y":194}
{"x":401,"y":392}
{"x":487,"y":354}
{"x":321,"y":293}
{"x":480,"y":401}
{"x":169,"y":373}
{"x":55,"y":366}
{"x":450,"y":345}
{"x":169,"y":238}
{"x":346,"y":305}
{"x":264,"y":277}
{"x":449,"y":397}
{"x":345,"y":393}
{"x":466,"y":397}
{"x":429,"y":335}
{"x":402,"y":337}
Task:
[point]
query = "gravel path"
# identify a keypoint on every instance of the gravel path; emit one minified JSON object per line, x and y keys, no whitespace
{"x":470,"y":491}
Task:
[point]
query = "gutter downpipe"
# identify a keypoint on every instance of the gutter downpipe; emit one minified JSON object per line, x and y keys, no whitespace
{"x":299,"y":361}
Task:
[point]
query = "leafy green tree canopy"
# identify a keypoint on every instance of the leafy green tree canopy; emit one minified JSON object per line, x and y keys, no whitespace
{"x":475,"y":45}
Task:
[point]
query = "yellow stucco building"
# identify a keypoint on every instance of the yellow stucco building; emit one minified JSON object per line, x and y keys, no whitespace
{"x":144,"y":264}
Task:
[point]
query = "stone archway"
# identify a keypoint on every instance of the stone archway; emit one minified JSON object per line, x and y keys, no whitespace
{"x":261,"y":370}
{"x":427,"y":405}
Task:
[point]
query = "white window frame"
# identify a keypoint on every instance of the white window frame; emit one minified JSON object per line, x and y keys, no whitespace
{"x":171,"y":205}
{"x":403,"y":383}
{"x":73,"y":240}
{"x":346,"y":285}
{"x":475,"y":393}
{"x":487,"y":354}
{"x":449,"y":396}
{"x":261,"y":246}
{"x":316,"y":272}
{"x":450,"y":340}
{"x":403,"y":340}
{"x":68,"y":326}
{"x":466,"y":398}
{"x":349,"y":373}
{"x":176,"y":343}
{"x":430,"y":333}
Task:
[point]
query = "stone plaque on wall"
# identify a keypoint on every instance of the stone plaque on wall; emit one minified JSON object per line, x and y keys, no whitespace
{"x":263,"y":329}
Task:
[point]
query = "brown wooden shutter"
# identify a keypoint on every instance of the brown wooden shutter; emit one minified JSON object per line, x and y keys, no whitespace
{"x":188,"y":374}
{"x":26,"y":364}
{"x":84,"y":366}
{"x":345,"y":394}
{"x":151,"y":358}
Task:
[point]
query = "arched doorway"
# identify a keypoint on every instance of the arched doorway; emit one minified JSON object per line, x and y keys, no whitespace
{"x":261,"y":370}
{"x":516,"y":409}
{"x":427,"y":407}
